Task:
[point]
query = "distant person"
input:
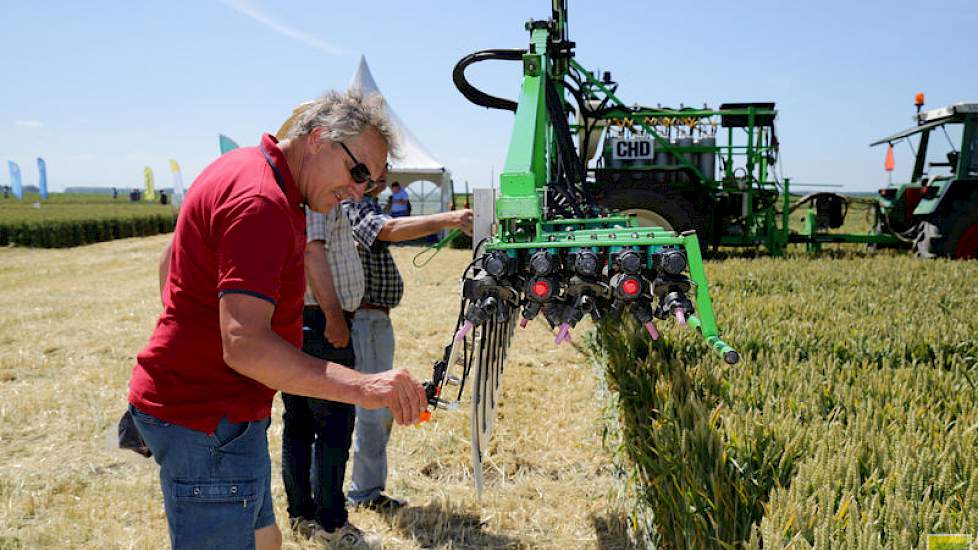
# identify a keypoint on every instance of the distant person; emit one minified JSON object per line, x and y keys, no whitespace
{"x":229,"y":335}
{"x":115,"y":193}
{"x":399,"y":204}
{"x":163,"y":198}
{"x":373,"y":334}
{"x":6,"y":191}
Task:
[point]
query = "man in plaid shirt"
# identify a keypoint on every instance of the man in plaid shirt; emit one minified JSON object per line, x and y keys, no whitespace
{"x":334,"y":292}
{"x":372,"y":333}
{"x":317,"y":433}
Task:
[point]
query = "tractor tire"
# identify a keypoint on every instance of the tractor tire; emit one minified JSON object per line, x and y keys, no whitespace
{"x":661,"y":206}
{"x":954,"y":235}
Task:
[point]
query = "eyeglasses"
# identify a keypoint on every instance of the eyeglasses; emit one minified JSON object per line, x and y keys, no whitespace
{"x":359,"y":172}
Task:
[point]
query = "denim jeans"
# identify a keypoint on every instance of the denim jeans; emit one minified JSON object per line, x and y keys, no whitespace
{"x":316,"y":438}
{"x":216,"y":487}
{"x":373,"y":344}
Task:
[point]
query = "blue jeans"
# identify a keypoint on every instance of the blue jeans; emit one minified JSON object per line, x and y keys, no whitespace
{"x":216,"y":487}
{"x":373,"y":346}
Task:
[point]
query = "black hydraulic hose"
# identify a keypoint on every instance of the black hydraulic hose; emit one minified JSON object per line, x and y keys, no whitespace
{"x":476,"y":95}
{"x":569,"y":162}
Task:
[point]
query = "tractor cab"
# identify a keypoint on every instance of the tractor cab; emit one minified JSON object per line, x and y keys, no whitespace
{"x":944,"y":144}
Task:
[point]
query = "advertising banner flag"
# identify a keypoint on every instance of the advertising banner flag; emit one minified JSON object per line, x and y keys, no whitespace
{"x":150,"y":193}
{"x":42,"y":178}
{"x":177,"y":183}
{"x":227,"y":144}
{"x":16,"y":187}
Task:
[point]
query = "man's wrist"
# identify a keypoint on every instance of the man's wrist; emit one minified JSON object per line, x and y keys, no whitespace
{"x":452,"y":219}
{"x":348,"y":382}
{"x":333,"y":312}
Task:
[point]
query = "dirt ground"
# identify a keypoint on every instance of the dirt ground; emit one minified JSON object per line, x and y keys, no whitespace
{"x":73,"y":320}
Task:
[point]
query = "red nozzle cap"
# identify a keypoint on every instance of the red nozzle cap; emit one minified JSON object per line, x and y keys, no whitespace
{"x":541,"y":288}
{"x":631,"y":287}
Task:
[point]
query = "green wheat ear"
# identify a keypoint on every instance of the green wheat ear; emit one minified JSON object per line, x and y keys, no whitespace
{"x":950,"y":542}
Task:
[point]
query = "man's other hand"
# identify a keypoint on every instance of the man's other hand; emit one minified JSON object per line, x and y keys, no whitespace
{"x":462,"y":219}
{"x":398,"y":391}
{"x":337,"y":333}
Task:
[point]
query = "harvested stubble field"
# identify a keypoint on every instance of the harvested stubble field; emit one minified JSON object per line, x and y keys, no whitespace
{"x":850,"y":422}
{"x":73,"y":321}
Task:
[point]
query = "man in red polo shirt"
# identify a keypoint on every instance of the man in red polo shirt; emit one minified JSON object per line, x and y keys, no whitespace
{"x":228,"y":338}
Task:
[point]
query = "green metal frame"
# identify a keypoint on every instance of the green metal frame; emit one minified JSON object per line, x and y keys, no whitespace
{"x":522,"y":181}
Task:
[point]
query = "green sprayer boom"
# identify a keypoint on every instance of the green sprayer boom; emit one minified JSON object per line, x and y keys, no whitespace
{"x":553,"y":251}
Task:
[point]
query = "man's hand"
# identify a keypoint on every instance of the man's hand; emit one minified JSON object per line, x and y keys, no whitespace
{"x":337,"y":333}
{"x":462,"y":219}
{"x":398,"y":391}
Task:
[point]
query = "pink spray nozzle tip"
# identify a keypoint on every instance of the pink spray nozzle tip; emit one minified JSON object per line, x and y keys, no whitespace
{"x":466,"y":327}
{"x":523,"y":322}
{"x":680,"y":316}
{"x":562,"y":333}
{"x":652,"y":331}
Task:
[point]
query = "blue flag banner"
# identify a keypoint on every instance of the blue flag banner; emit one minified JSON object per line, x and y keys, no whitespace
{"x":16,"y":186}
{"x":42,"y":178}
{"x":227,"y":144}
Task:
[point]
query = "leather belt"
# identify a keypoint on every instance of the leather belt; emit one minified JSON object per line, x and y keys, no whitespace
{"x":366,"y":305}
{"x":314,"y":309}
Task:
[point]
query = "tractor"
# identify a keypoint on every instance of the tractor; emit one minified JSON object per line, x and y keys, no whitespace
{"x":936,"y":212}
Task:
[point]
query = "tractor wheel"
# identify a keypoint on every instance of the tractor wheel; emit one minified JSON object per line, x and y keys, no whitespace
{"x":662,"y":207}
{"x":954,"y":235}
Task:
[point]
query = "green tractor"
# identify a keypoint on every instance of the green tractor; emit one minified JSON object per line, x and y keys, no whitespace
{"x":937,"y":211}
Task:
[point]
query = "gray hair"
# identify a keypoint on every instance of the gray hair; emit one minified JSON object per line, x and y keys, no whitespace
{"x":343,"y":116}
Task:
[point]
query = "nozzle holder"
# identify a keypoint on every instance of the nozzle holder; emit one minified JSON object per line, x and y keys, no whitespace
{"x":629,"y":261}
{"x":671,"y":261}
{"x":673,"y":301}
{"x":666,"y":283}
{"x":543,"y":262}
{"x":497,"y":263}
{"x":586,"y":263}
{"x":622,"y":284}
{"x":531,"y":310}
{"x":536,"y":284}
{"x":479,"y":312}
{"x":642,"y":312}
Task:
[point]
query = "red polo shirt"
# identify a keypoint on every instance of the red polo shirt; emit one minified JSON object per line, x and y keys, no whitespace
{"x":240,"y":230}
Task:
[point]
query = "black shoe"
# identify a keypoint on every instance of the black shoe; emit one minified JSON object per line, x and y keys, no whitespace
{"x":384,"y":503}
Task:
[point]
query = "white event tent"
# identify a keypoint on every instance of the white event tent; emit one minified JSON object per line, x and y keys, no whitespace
{"x":416,"y":163}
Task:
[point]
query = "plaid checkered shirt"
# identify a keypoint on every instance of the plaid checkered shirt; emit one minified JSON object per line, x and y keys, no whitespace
{"x":384,"y":286}
{"x":334,"y":230}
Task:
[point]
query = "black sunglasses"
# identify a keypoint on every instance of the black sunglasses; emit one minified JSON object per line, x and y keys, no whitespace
{"x":359,"y":172}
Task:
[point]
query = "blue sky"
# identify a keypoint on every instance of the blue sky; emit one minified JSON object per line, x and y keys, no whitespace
{"x":100,"y":89}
